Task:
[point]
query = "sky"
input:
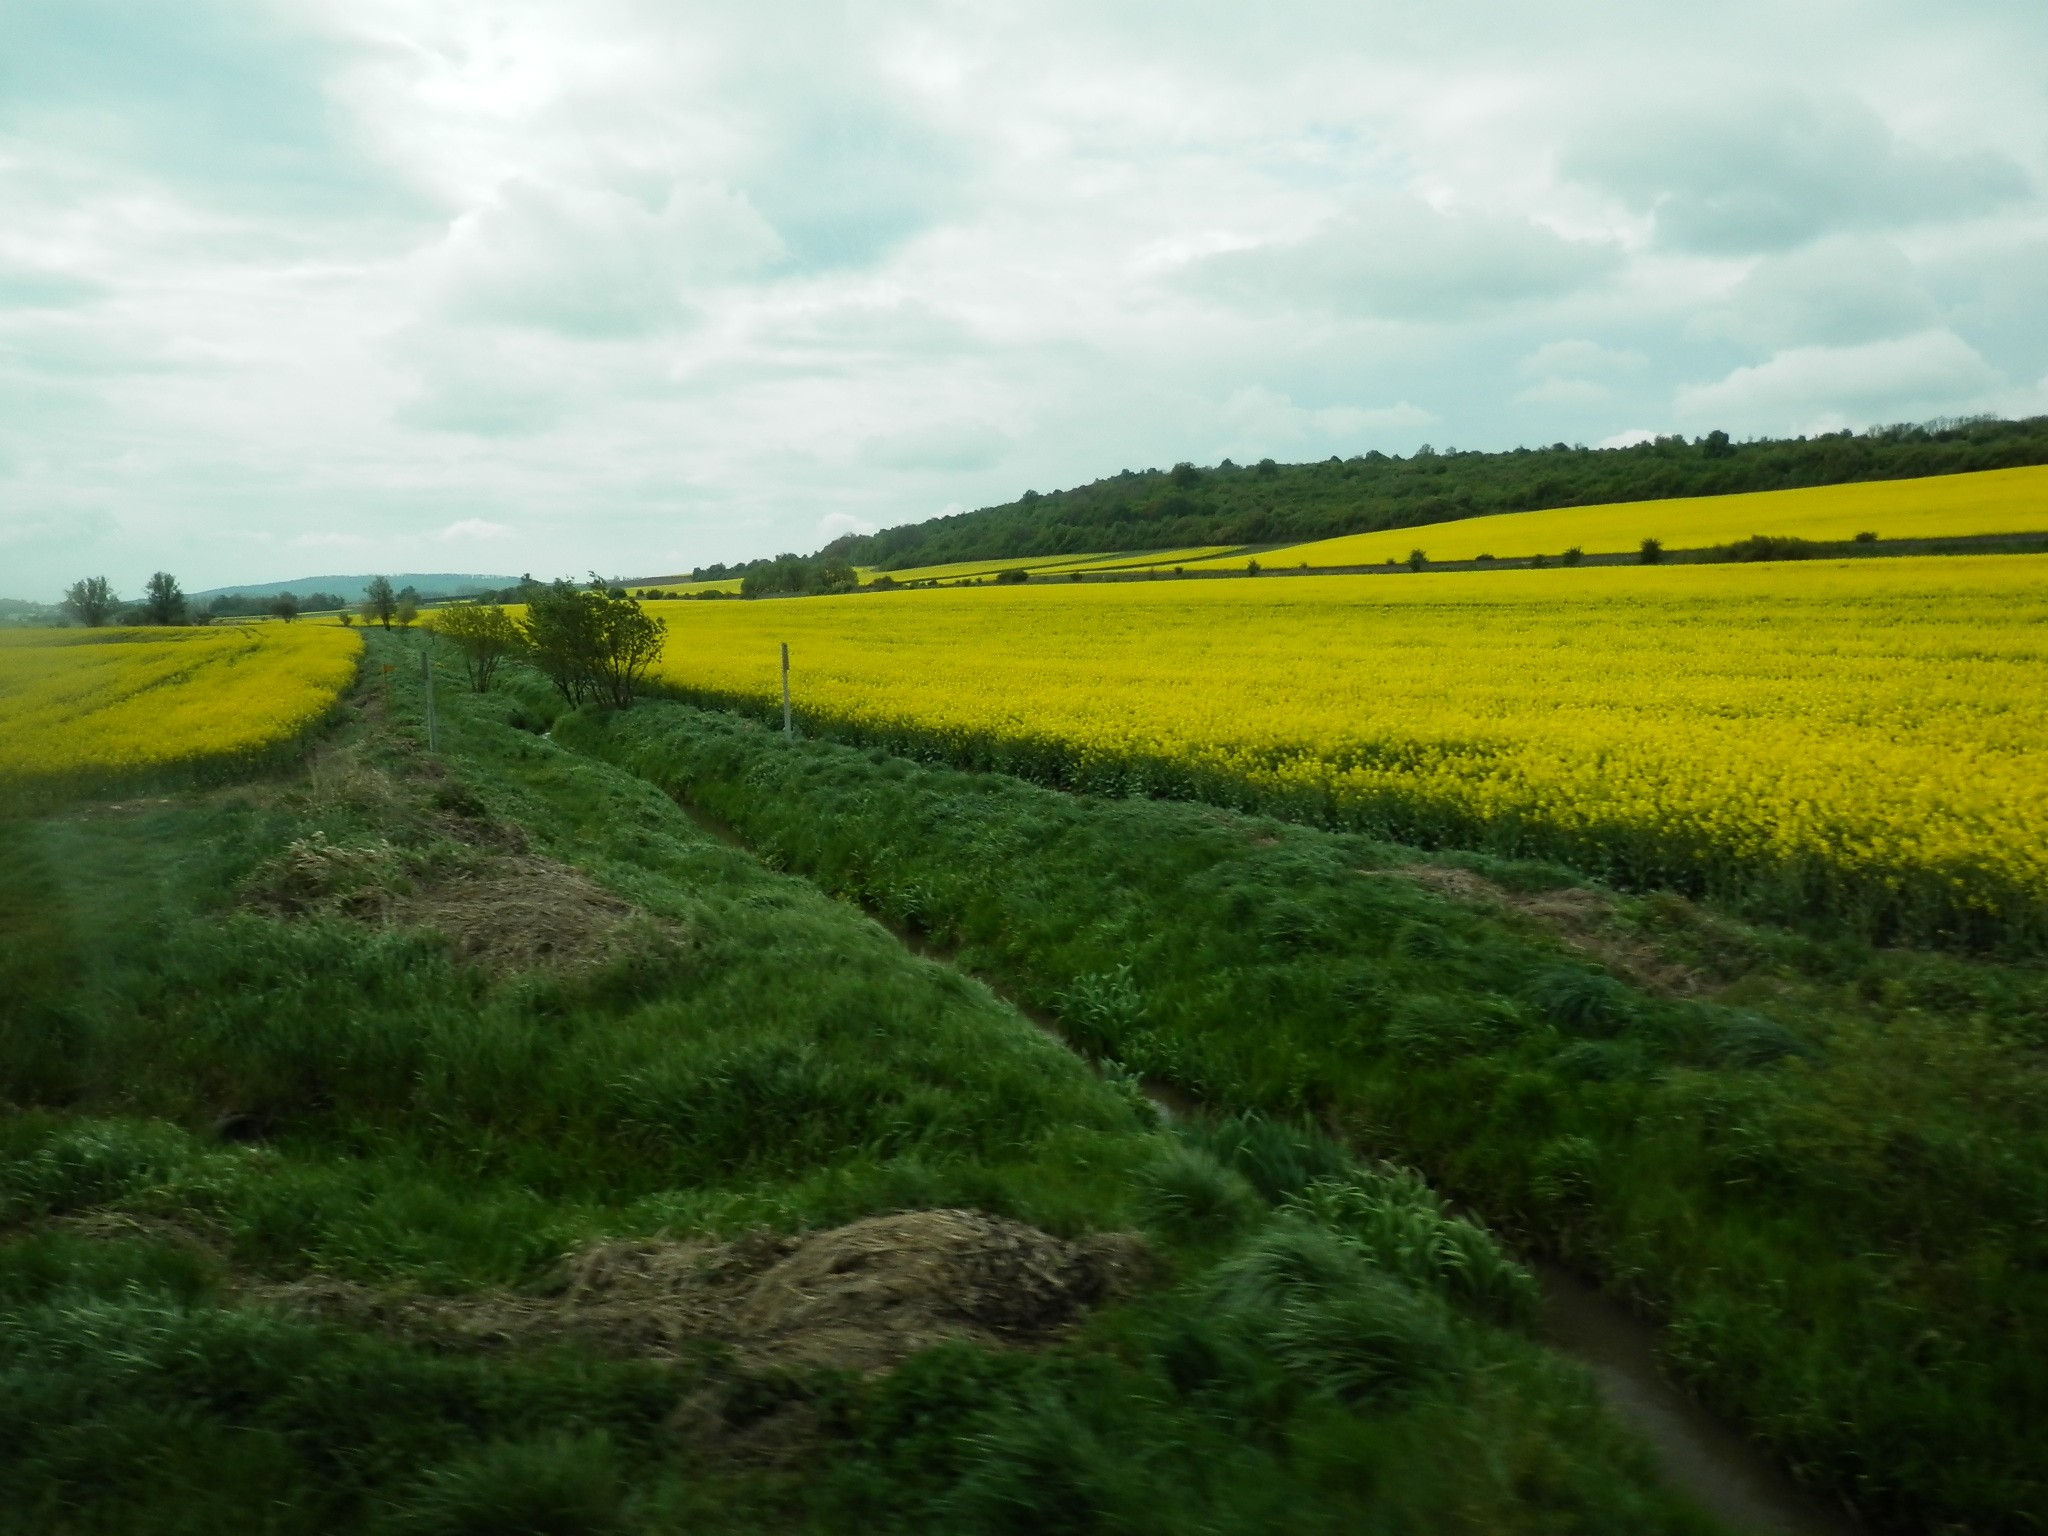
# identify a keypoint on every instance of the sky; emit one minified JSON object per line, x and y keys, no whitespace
{"x":639,"y":285}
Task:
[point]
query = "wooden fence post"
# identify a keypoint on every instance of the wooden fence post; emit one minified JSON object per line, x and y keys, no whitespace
{"x":427,"y":677}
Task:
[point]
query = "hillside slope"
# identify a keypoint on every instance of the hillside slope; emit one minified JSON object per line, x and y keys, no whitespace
{"x":1273,"y":503}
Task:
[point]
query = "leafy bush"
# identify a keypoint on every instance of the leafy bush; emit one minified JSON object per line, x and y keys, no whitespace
{"x":589,"y":643}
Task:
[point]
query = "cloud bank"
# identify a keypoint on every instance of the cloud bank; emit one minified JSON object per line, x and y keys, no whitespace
{"x":640,"y":286}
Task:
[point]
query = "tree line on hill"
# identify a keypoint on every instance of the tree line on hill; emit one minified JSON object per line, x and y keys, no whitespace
{"x":1269,"y":503}
{"x":93,"y":602}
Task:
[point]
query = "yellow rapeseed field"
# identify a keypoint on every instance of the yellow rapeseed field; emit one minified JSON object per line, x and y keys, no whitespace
{"x":1993,"y":501}
{"x":1050,"y":566}
{"x":1869,"y":736}
{"x":95,"y":705}
{"x":689,"y":588}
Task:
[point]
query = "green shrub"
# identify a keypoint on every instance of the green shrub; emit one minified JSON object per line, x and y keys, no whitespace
{"x":1190,"y":1196}
{"x":557,"y":1485}
{"x":1330,"y":1318}
{"x":1406,"y":1229}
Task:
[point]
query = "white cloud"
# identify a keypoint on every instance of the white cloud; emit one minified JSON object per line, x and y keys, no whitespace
{"x":594,"y":261}
{"x":470,"y":529}
{"x":1835,"y":292}
{"x":1577,"y":372}
{"x":835,"y":525}
{"x":1403,"y":260}
{"x":1820,"y":389}
{"x":1259,"y":422}
{"x":644,"y":284}
{"x":942,"y":446}
{"x":1769,"y":167}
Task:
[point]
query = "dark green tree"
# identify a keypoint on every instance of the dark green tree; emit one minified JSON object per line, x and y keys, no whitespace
{"x":379,"y":601}
{"x":629,"y":644}
{"x":284,"y":606}
{"x":590,"y":644}
{"x":90,"y":601}
{"x":561,"y":630}
{"x":163,"y":599}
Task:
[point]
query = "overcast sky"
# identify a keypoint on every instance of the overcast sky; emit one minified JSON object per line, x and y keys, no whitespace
{"x":341,"y":285}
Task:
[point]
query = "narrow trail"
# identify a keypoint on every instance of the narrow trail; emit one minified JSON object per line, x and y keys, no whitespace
{"x":1697,"y":1451}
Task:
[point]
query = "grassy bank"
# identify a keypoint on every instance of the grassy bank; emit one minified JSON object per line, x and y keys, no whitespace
{"x":1825,"y":1165}
{"x":314,"y":1083}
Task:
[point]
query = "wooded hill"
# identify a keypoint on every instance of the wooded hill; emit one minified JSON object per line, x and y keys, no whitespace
{"x":1269,"y":503}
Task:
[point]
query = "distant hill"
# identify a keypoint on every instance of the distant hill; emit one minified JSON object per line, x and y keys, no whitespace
{"x":350,"y":588}
{"x":1270,"y":503}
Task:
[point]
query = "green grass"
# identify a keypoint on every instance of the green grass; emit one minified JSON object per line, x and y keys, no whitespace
{"x":205,"y":1097}
{"x":1827,"y":1170}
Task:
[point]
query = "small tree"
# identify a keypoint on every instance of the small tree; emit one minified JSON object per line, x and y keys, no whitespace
{"x":1653,"y":551}
{"x":484,"y":633}
{"x":347,"y":619}
{"x":379,"y":601}
{"x":591,"y":644}
{"x":1417,"y":559}
{"x":284,"y":606}
{"x":1572,"y":556}
{"x":90,"y":601}
{"x":164,"y":599}
{"x":629,"y":643}
{"x":560,"y":628}
{"x":407,"y":613}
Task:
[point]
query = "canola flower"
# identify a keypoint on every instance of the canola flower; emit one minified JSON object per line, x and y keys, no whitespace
{"x":98,"y":705}
{"x":1940,"y":506}
{"x":1052,"y":566}
{"x":1862,"y":738}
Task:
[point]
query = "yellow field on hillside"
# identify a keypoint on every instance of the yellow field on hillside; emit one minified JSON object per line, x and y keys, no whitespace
{"x":1857,"y":733}
{"x":96,"y":704}
{"x":1156,"y":559}
{"x":689,"y":588}
{"x":1994,"y":501}
{"x":970,"y":570}
{"x":1050,"y":566}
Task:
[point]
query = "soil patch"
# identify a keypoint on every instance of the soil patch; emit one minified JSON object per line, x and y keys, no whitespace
{"x":1584,"y":920}
{"x":861,"y":1297}
{"x":520,"y":913}
{"x":504,"y":912}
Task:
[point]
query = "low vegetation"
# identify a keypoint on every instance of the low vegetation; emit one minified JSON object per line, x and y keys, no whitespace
{"x":472,"y":1143}
{"x":1824,"y":1165}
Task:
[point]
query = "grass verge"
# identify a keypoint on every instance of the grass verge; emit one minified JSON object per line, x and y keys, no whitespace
{"x":1824,"y":1165}
{"x":268,"y":1109}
